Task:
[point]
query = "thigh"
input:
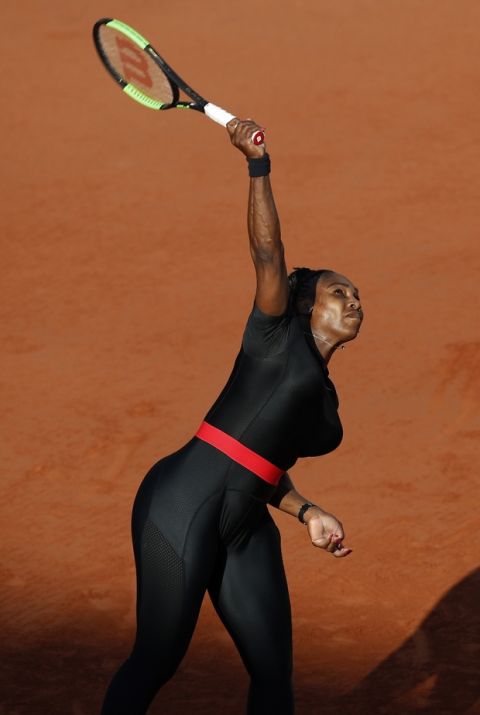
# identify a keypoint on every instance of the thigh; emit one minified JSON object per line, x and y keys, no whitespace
{"x":175,"y":541}
{"x":249,"y":592}
{"x":170,"y":587}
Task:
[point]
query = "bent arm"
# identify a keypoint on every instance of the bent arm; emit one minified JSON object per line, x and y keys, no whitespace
{"x":266,"y":246}
{"x":324,"y":529}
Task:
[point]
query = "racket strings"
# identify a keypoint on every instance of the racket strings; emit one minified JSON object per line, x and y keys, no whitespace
{"x":135,"y":66}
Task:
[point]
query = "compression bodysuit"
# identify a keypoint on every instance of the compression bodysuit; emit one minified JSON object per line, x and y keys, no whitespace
{"x":200,"y":521}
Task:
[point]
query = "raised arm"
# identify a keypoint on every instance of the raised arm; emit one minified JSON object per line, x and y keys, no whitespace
{"x":266,"y":245}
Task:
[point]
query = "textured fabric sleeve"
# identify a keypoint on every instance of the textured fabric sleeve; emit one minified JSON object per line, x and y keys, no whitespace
{"x":266,"y":335}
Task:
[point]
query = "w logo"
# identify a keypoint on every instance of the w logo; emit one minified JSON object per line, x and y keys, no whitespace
{"x":134,"y":62}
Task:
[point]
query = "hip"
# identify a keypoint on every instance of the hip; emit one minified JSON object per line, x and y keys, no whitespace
{"x":199,"y":485}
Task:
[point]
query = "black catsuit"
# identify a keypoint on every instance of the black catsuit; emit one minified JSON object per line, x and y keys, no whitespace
{"x":200,"y":521}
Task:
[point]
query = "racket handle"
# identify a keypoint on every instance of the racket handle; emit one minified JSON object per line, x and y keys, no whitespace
{"x":219,"y":115}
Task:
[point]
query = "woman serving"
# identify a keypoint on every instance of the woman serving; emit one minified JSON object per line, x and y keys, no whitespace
{"x":200,"y":519}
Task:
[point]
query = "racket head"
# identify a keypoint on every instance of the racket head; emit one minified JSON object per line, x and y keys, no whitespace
{"x":144,"y":75}
{"x":128,"y":58}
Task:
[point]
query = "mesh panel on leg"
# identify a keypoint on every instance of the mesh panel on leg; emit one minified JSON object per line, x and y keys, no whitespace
{"x":159,"y":553}
{"x":162,"y":586}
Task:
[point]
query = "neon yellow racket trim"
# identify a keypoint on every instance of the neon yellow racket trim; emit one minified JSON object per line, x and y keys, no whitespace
{"x":135,"y":93}
{"x":135,"y":36}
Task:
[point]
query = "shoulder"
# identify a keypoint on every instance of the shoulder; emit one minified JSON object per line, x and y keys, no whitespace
{"x":266,"y":335}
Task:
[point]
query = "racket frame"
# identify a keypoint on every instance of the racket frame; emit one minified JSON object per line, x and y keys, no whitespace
{"x":198,"y":103}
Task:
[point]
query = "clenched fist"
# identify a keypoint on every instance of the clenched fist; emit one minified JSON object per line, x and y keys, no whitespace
{"x":241,"y":132}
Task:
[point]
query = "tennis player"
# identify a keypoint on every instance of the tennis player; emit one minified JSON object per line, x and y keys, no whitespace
{"x":200,"y":519}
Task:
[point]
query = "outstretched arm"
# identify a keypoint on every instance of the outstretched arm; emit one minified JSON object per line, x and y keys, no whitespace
{"x":324,"y":529}
{"x":266,"y":245}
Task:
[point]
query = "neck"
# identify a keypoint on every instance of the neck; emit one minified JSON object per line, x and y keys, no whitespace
{"x":325,"y":347}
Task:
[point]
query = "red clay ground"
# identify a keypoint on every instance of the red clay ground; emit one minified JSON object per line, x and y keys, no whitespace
{"x":126,"y":285}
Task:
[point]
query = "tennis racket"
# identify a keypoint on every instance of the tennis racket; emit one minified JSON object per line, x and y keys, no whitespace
{"x":145,"y":76}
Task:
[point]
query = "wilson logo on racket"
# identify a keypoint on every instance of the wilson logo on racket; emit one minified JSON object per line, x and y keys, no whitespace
{"x":134,"y":62}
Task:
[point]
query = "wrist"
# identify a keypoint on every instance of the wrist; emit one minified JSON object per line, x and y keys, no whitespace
{"x":303,"y":511}
{"x":313,"y":512}
{"x":258,"y":165}
{"x":255,"y":152}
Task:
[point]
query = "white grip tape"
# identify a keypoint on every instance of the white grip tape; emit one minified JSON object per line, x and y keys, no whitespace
{"x":218,"y":114}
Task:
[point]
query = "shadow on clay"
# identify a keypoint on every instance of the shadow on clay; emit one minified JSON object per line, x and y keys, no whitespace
{"x":434,"y":672}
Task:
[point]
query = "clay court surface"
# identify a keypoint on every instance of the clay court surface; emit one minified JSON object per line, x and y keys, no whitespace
{"x":126,"y":283}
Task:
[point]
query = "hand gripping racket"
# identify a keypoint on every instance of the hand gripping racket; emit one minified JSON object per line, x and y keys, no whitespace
{"x":145,"y":76}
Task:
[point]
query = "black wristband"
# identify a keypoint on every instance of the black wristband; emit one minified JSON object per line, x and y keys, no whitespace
{"x":259,"y":166}
{"x":303,"y":509}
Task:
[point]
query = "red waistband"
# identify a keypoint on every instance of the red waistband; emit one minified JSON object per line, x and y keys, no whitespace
{"x":239,"y":453}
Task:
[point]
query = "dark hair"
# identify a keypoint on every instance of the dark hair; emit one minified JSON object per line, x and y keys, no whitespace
{"x":303,"y":284}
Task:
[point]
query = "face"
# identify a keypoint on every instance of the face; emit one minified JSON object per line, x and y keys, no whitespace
{"x":337,"y":310}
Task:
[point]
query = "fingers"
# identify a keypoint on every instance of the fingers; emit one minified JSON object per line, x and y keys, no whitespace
{"x":326,"y":532}
{"x":232,"y":125}
{"x":330,"y":543}
{"x":338,"y":549}
{"x":342,"y":552}
{"x":322,"y":543}
{"x":241,"y":129}
{"x":333,"y":544}
{"x":241,"y":132}
{"x":237,"y":123}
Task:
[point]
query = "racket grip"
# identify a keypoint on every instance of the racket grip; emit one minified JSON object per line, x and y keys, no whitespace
{"x":219,"y":115}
